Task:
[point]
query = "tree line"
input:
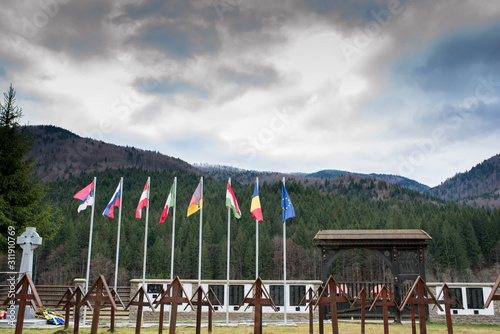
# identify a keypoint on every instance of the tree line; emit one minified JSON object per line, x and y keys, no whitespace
{"x":464,"y":238}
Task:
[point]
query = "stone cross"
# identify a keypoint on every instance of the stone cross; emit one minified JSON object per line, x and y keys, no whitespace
{"x":28,"y":241}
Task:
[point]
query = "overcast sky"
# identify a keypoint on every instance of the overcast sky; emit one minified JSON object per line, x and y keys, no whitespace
{"x":384,"y":86}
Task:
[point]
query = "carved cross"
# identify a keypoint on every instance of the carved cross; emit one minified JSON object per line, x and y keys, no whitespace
{"x":140,"y":303}
{"x":175,"y":286}
{"x":419,"y":288}
{"x":200,"y":299}
{"x":329,"y":297}
{"x":384,"y":299}
{"x":28,"y":241}
{"x":260,"y":298}
{"x":449,"y":299}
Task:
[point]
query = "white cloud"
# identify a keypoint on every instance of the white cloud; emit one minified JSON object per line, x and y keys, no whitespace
{"x":262,"y":85}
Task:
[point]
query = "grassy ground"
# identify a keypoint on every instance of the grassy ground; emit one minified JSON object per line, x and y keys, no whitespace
{"x":344,"y":327}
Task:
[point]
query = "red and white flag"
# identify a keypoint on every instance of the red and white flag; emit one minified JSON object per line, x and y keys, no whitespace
{"x":143,"y":202}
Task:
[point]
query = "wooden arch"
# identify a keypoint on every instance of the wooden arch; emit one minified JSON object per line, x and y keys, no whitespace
{"x":402,"y":250}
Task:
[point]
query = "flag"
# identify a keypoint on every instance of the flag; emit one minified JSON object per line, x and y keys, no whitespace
{"x":231,"y":201}
{"x":196,"y":201}
{"x":115,"y":201}
{"x":255,"y":208}
{"x":143,"y":201}
{"x":286,"y":204}
{"x":85,"y":195}
{"x":170,"y":203}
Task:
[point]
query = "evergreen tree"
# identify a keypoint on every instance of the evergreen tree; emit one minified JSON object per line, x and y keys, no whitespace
{"x":22,"y":194}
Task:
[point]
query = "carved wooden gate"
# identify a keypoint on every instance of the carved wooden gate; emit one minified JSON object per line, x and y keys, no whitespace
{"x":402,"y":250}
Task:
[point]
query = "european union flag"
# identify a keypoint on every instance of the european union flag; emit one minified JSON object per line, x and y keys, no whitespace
{"x":286,"y":205}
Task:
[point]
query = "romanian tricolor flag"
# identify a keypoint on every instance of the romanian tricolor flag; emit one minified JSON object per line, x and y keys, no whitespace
{"x":196,"y":201}
{"x":255,"y":208}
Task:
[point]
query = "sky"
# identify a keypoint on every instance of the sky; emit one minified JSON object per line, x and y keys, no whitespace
{"x":406,"y":87}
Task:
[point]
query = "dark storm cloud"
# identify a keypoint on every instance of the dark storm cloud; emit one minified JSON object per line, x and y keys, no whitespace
{"x":170,"y":87}
{"x":455,"y":64}
{"x":180,"y":40}
{"x":246,"y":74}
{"x":74,"y":27}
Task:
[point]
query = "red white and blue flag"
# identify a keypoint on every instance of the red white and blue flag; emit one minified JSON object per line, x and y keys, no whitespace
{"x":86,"y":196}
{"x":115,"y":201}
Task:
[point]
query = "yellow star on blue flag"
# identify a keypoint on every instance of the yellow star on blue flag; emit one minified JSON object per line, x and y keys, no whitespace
{"x":286,"y":205}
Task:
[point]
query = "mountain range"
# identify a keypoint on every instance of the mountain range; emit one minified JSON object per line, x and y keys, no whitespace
{"x":60,"y":153}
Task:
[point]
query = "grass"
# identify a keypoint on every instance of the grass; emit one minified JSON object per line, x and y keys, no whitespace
{"x":344,"y":328}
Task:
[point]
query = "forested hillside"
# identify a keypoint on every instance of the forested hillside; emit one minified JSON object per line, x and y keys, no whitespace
{"x":60,"y":153}
{"x":465,"y":244}
{"x":465,"y":240}
{"x":478,"y":187}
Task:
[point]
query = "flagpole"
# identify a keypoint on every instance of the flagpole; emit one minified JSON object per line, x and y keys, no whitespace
{"x":90,"y":249}
{"x":285,"y":299}
{"x":173,"y":232}
{"x":118,"y":235}
{"x":228,"y":258}
{"x":145,"y":239}
{"x":201,"y":225}
{"x":257,"y":238}
{"x":173,"y":244}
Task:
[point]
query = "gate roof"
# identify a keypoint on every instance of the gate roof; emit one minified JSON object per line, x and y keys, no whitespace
{"x":371,"y":237}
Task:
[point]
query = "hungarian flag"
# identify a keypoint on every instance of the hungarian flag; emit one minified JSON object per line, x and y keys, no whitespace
{"x":231,"y":201}
{"x":115,"y":201}
{"x":143,"y":201}
{"x":196,"y":201}
{"x":170,"y":203}
{"x":255,"y":208}
{"x":85,"y":195}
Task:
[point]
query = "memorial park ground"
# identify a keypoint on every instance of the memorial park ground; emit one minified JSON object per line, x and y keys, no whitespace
{"x":344,"y":327}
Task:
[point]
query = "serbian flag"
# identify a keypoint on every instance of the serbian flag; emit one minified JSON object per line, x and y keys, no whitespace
{"x":196,"y":201}
{"x":85,"y":195}
{"x":170,"y":203}
{"x":115,"y":201}
{"x":255,"y":208}
{"x":231,"y":201}
{"x":142,"y":202}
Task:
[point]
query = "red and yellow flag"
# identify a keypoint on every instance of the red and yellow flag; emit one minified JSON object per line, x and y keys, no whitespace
{"x":196,"y":201}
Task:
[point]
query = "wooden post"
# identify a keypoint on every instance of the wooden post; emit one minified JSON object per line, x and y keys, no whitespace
{"x":421,"y":310}
{"x":493,"y":295}
{"x":310,"y":299}
{"x":140,"y":303}
{"x":74,"y":300}
{"x":329,"y":297}
{"x":383,"y":299}
{"x":117,"y":299}
{"x":261,"y":298}
{"x":25,"y":284}
{"x":67,"y":307}
{"x":321,"y":313}
{"x":99,"y":293}
{"x":212,"y":298}
{"x":361,"y":300}
{"x":449,"y":299}
{"x":413,"y":322}
{"x":164,"y":298}
{"x":419,"y":287}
